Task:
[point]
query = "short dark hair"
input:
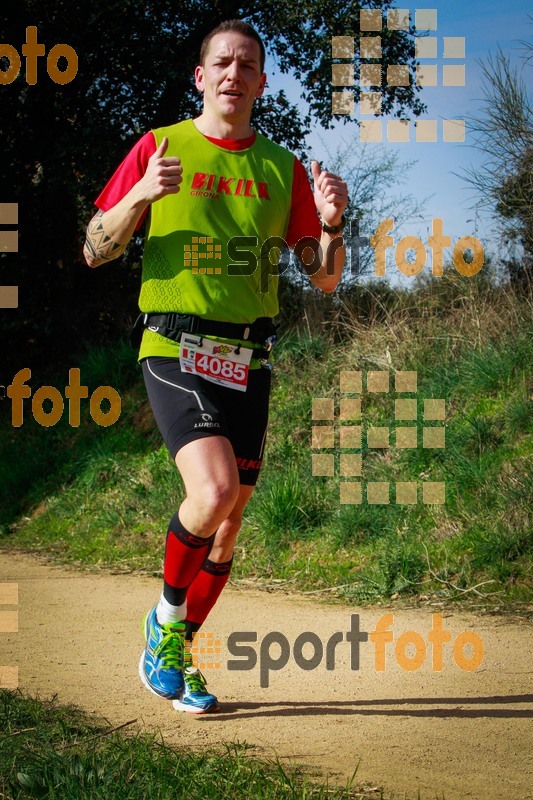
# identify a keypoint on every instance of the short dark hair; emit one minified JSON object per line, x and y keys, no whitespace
{"x":238,"y":26}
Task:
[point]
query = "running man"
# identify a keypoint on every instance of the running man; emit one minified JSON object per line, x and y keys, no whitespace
{"x":207,"y":307}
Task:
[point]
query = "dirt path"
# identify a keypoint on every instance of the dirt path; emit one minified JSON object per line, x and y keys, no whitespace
{"x":466,"y":734}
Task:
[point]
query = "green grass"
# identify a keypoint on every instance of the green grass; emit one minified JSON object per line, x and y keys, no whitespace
{"x":103,"y":496}
{"x":61,"y":753}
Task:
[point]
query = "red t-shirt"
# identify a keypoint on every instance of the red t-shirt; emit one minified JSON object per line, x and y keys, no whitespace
{"x":303,"y":220}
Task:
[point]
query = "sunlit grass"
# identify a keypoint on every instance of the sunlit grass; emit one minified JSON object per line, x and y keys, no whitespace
{"x":61,"y":753}
{"x":104,"y":496}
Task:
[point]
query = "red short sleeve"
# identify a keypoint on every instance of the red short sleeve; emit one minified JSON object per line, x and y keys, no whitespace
{"x":303,"y":220}
{"x":128,"y":173}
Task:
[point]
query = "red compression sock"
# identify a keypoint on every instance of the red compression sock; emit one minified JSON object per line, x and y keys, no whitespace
{"x":184,"y":555}
{"x":203,"y":593}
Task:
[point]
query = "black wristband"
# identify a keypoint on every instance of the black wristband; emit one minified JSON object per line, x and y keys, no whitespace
{"x":333,"y":228}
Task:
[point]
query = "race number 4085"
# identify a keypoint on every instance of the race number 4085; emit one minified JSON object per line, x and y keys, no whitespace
{"x":212,"y":365}
{"x":219,"y":362}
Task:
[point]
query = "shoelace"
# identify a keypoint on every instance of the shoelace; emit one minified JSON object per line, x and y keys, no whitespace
{"x":195,"y":681}
{"x":170,"y":648}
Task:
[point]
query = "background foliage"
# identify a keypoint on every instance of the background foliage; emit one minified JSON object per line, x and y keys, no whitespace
{"x":60,"y":144}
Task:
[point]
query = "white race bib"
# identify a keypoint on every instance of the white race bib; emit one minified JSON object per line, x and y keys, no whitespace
{"x":218,"y":362}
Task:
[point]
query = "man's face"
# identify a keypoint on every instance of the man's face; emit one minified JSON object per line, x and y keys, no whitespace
{"x":231,"y":77}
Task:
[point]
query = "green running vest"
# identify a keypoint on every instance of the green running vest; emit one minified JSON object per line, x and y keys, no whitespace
{"x":191,"y":262}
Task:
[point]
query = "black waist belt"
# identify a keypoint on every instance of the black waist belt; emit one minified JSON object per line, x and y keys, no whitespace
{"x":262,"y":331}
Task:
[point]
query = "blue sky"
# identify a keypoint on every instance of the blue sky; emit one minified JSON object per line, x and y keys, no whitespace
{"x":486,"y":26}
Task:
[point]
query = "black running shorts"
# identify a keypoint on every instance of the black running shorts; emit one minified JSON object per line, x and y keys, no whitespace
{"x":187,"y":407}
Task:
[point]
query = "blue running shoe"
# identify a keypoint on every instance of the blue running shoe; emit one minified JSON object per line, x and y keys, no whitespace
{"x":161,"y":663}
{"x":195,"y":699}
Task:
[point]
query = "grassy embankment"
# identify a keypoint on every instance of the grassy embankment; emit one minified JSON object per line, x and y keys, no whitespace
{"x":60,"y":753}
{"x":102,"y":497}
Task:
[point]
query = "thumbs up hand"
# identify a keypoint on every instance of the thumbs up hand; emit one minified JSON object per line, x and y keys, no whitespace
{"x":162,"y":176}
{"x":331,"y":194}
{"x":162,"y":149}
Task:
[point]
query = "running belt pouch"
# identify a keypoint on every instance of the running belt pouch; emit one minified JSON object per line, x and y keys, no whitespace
{"x":260,"y":330}
{"x":136,"y":334}
{"x":169,"y":325}
{"x":160,"y":325}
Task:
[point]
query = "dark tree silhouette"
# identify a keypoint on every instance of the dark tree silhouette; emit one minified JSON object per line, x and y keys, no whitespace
{"x":59,"y":144}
